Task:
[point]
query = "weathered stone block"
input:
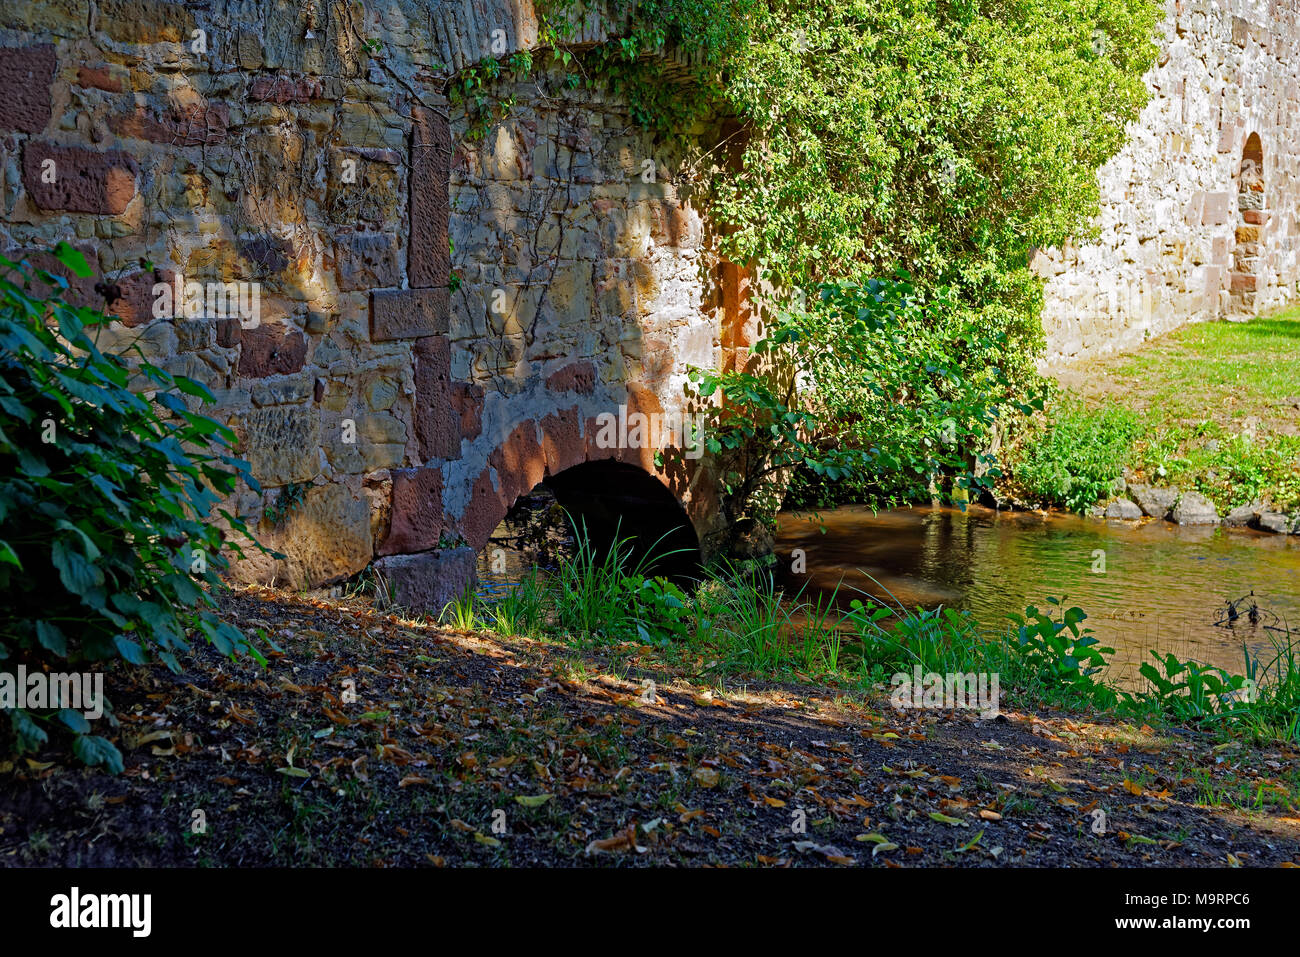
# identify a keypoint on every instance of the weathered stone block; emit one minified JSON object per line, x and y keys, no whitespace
{"x":271,"y":350}
{"x":1193,"y":508}
{"x":25,"y":77}
{"x":145,"y":21}
{"x":326,"y":539}
{"x":110,"y":79}
{"x":366,"y":260}
{"x":437,"y":423}
{"x":577,"y":377}
{"x":284,"y":89}
{"x":134,"y":299}
{"x":428,"y":581}
{"x":1153,"y":500}
{"x":281,"y":443}
{"x":467,"y":400}
{"x":1122,"y":508}
{"x":196,"y":125}
{"x":416,"y":521}
{"x":1274,"y":522}
{"x":80,"y":180}
{"x":1217,"y":208}
{"x":429,"y":262}
{"x":408,"y":313}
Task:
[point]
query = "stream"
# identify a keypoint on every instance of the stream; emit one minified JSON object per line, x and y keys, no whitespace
{"x":1144,"y":586}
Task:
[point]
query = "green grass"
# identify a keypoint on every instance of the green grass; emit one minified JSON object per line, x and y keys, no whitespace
{"x":740,"y":621}
{"x":1211,"y":403}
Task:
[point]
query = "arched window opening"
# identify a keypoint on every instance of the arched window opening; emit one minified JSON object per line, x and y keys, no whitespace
{"x":1251,"y":218}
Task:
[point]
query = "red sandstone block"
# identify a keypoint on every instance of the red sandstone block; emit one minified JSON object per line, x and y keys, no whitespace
{"x":198,"y":125}
{"x":1242,"y":282}
{"x":428,"y":581}
{"x":271,"y":350}
{"x":83,"y":180}
{"x":408,"y":313}
{"x":467,"y":400}
{"x":577,"y":377}
{"x":417,"y":520}
{"x":483,"y":514}
{"x":429,"y":262}
{"x":436,"y":421}
{"x":519,"y":462}
{"x":562,"y":443}
{"x":99,"y":78}
{"x":134,"y":305}
{"x":25,"y":77}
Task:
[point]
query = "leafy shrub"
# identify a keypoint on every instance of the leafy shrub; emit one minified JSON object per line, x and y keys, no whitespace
{"x":104,"y":488}
{"x":1077,"y":459}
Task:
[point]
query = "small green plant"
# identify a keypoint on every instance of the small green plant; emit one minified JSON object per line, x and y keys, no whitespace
{"x":1061,"y":654}
{"x":463,"y":613}
{"x":288,"y":501}
{"x":1076,"y":460}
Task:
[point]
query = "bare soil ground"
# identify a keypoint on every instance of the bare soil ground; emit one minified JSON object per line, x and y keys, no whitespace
{"x":464,"y":749}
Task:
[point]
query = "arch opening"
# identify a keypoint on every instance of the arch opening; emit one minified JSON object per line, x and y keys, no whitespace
{"x":1250,"y":226}
{"x":613,"y":503}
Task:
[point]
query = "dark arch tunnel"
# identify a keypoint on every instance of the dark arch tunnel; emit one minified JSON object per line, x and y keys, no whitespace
{"x":620,"y":503}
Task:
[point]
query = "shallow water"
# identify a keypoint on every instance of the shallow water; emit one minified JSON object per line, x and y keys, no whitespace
{"x":1144,"y":586}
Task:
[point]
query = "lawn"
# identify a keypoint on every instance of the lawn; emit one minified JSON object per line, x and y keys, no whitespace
{"x":1218,"y":405}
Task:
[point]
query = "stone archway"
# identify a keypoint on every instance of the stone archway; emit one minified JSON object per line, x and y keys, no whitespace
{"x":443,"y":515}
{"x":1251,"y":217}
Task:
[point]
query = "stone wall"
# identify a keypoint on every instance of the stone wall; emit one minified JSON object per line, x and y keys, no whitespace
{"x":1185,"y":235}
{"x":394,"y":396}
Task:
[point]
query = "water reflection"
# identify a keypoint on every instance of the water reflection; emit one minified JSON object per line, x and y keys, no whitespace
{"x":1148,"y":586}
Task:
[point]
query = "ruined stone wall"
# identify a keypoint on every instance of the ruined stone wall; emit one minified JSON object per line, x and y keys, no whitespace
{"x":394,"y":396}
{"x":1185,"y":236}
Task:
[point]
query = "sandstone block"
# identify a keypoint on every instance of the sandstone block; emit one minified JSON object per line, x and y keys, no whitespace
{"x":429,"y":581}
{"x":271,"y":350}
{"x":281,"y":444}
{"x":80,"y":180}
{"x":416,"y":522}
{"x":429,"y":262}
{"x":25,"y":77}
{"x":408,"y":313}
{"x":324,"y":540}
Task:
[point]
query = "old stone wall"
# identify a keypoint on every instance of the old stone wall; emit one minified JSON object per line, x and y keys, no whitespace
{"x":444,"y":306}
{"x":1200,"y":212}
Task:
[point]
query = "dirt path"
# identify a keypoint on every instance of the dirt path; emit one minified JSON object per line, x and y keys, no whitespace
{"x":463,"y":749}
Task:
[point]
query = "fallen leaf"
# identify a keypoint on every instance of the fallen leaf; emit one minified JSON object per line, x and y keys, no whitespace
{"x":945,"y":819}
{"x":705,"y":777}
{"x":533,"y":800}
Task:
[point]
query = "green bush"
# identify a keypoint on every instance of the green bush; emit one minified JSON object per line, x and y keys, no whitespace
{"x":106,"y":479}
{"x":1077,"y":459}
